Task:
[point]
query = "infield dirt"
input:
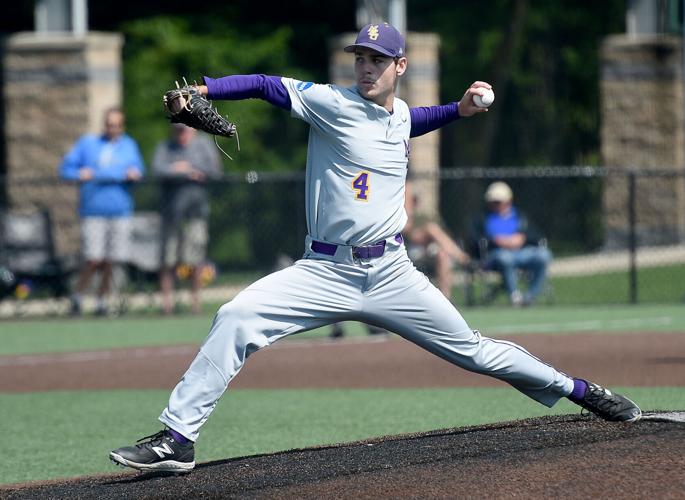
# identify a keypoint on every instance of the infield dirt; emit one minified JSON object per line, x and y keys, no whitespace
{"x":644,"y":360}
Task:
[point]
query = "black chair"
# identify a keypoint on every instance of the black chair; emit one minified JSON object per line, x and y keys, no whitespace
{"x":146,"y":237}
{"x":481,"y":285}
{"x":27,"y":251}
{"x":142,"y":270}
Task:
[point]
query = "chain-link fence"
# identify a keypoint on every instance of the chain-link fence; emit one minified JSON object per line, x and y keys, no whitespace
{"x":616,"y":235}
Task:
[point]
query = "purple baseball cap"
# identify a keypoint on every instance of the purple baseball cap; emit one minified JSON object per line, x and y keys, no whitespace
{"x":380,"y":37}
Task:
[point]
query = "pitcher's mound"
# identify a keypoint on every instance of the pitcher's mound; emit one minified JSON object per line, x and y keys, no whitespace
{"x":568,"y":456}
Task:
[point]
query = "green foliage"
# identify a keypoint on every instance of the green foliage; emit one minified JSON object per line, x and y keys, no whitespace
{"x":162,"y":50}
{"x":542,"y":57}
{"x":545,"y":56}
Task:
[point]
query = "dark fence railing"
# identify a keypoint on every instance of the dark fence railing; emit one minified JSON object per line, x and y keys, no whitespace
{"x":617,"y":235}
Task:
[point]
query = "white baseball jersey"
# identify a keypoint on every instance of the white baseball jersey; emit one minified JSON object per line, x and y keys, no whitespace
{"x":356,"y":163}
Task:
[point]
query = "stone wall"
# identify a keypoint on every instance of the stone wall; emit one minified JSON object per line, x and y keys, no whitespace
{"x":642,"y":129}
{"x":55,"y":89}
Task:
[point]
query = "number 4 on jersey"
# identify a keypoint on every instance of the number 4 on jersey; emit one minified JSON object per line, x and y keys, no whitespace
{"x":361,"y":185}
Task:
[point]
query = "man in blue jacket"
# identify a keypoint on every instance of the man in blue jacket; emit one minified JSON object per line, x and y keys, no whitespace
{"x":105,"y":165}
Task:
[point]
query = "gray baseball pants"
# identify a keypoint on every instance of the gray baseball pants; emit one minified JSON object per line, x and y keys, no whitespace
{"x":319,"y":290}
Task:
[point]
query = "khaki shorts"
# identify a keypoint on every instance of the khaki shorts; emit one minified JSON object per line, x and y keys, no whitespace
{"x":185,"y":243}
{"x":104,"y":238}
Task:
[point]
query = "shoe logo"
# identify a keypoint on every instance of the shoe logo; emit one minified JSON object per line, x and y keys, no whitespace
{"x":163,"y":450}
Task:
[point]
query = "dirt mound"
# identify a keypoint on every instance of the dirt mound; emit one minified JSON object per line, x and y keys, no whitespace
{"x":570,"y":456}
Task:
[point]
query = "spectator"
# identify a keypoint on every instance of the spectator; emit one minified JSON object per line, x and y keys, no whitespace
{"x":512,"y":245}
{"x":426,"y":238}
{"x":105,"y":165}
{"x":184,"y":163}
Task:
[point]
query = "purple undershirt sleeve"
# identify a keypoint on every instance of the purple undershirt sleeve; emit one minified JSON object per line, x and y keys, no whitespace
{"x":428,"y":118}
{"x":237,"y":87}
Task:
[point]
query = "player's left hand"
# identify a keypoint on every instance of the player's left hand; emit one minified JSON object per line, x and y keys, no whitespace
{"x":466,"y":106}
{"x":188,"y":105}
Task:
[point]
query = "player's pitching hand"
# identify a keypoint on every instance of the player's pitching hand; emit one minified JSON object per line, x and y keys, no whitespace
{"x":466,"y":106}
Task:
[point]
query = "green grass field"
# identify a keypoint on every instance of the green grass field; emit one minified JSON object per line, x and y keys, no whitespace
{"x":659,"y":284}
{"x":67,"y":335}
{"x":62,"y":434}
{"x":655,"y":285}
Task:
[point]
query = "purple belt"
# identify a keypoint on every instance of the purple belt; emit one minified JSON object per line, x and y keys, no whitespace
{"x":367,"y":252}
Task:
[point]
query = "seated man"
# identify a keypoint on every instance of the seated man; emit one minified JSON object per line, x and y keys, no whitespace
{"x":512,"y":245}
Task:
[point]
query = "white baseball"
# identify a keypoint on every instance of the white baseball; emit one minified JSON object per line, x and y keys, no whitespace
{"x":486,"y":100}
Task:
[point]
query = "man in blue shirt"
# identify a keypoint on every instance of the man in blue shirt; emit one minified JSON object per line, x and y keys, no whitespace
{"x":105,"y":165}
{"x":511,"y":245}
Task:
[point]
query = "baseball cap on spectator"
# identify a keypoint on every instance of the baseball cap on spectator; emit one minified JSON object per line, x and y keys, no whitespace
{"x":380,"y":37}
{"x":498,"y":191}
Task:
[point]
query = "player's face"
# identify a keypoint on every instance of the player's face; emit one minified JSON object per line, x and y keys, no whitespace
{"x":377,"y":75}
{"x":499,"y":207}
{"x":183,"y":135}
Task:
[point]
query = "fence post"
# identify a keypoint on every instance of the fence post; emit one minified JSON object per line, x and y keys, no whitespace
{"x":632,"y":237}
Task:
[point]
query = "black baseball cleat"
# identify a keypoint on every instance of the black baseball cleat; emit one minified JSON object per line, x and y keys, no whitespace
{"x":609,"y":405}
{"x":161,"y":453}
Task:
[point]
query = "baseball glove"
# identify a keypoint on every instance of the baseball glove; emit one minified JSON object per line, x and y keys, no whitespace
{"x":186,"y":105}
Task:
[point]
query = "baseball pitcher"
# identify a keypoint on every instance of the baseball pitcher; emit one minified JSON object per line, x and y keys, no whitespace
{"x":355,"y":266}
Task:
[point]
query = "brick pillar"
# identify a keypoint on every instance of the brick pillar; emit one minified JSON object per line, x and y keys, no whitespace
{"x":642,"y":127}
{"x":419,"y":86}
{"x":56,"y":88}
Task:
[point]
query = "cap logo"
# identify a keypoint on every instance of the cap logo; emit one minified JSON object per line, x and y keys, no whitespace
{"x":373,"y":32}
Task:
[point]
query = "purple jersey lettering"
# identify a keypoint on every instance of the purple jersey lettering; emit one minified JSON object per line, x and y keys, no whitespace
{"x":361,"y":185}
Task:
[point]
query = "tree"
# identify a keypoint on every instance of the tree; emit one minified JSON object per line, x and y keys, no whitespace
{"x":545,"y":55}
{"x":161,"y":50}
